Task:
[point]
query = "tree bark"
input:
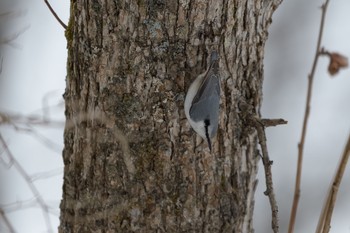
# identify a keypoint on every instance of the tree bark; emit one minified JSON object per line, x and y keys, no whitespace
{"x":132,"y":162}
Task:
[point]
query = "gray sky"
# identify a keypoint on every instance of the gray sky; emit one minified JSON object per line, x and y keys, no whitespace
{"x":289,"y":55}
{"x":36,"y":71}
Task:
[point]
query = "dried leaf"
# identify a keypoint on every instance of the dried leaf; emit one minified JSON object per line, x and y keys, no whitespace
{"x":337,"y":62}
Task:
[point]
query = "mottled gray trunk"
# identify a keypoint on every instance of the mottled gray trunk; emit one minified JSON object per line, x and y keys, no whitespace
{"x":132,"y":162}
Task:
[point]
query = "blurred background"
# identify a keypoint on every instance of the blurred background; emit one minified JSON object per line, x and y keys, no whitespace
{"x":33,"y":80}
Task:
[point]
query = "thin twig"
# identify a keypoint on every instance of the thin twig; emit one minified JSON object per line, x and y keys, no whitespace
{"x":34,"y":190}
{"x":10,"y":40}
{"x":50,"y":144}
{"x":306,"y":117}
{"x":26,"y":204}
{"x":6,"y":221}
{"x":29,"y":120}
{"x":46,"y":175}
{"x":1,"y":61}
{"x":18,"y":205}
{"x":6,"y":14}
{"x":327,"y":211}
{"x":12,"y":14}
{"x":259,"y":126}
{"x":55,"y":15}
{"x":273,"y":122}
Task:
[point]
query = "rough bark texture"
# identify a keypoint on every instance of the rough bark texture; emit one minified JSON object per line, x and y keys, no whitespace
{"x":132,"y":162}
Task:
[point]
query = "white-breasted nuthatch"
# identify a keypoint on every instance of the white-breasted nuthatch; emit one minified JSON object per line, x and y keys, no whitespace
{"x":203,"y":100}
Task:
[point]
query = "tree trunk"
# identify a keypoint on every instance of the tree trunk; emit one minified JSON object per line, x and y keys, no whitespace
{"x":132,"y":162}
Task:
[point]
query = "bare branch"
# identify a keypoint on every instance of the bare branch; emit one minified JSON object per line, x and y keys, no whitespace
{"x":6,"y":14}
{"x":1,"y":61}
{"x":273,"y":122}
{"x":46,"y":175}
{"x":327,"y":211}
{"x":32,"y":187}
{"x":12,"y":14}
{"x":247,"y":112}
{"x":305,"y":122}
{"x":9,"y":40}
{"x":7,"y":222}
{"x":259,"y":126}
{"x":16,"y":121}
{"x":55,"y":15}
{"x":32,"y":120}
{"x":21,"y":205}
{"x":43,"y":139}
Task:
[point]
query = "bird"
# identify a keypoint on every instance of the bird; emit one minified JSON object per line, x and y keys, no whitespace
{"x":202,"y":102}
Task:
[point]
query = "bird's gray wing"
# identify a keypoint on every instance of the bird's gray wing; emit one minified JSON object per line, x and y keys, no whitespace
{"x":205,"y":104}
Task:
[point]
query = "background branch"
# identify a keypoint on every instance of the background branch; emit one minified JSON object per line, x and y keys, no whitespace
{"x":259,"y":126}
{"x":305,"y":122}
{"x":6,"y":221}
{"x":327,"y":211}
{"x":55,"y":15}
{"x":32,"y":187}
